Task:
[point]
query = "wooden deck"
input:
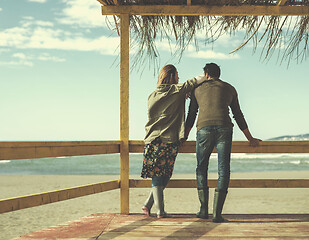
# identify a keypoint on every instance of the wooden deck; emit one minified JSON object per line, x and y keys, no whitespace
{"x":179,"y":226}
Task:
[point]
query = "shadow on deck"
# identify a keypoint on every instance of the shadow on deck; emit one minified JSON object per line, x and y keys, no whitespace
{"x":179,"y":226}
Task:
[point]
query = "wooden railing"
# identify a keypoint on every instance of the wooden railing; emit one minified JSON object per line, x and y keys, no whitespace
{"x":242,"y":147}
{"x":26,"y":150}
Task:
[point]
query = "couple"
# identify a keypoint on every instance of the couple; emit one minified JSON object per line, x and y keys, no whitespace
{"x":166,"y":129}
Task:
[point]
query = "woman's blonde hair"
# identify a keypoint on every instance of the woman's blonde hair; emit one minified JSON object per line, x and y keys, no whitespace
{"x":167,"y":75}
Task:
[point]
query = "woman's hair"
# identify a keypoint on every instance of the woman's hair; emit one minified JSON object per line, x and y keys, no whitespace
{"x":167,"y":75}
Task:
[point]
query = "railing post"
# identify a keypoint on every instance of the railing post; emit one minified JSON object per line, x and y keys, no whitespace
{"x":124,"y":113}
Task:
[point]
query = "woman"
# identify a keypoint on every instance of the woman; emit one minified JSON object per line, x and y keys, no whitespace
{"x":164,"y":132}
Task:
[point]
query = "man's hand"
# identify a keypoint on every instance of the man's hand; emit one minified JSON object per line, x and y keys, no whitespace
{"x":254,"y":142}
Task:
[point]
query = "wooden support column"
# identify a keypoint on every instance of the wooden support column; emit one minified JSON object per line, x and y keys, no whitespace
{"x":124,"y":113}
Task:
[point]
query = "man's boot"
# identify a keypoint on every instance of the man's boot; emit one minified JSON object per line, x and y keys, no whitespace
{"x":203,"y":195}
{"x":159,"y":201}
{"x":219,"y":199}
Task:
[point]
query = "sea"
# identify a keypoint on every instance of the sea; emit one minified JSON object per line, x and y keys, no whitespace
{"x":109,"y":164}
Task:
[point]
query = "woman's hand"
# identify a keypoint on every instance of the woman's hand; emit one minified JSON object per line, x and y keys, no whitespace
{"x":200,"y":79}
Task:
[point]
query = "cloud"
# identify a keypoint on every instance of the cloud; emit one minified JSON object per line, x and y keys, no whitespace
{"x":41,"y":35}
{"x":13,"y":37}
{"x":27,"y":60}
{"x":192,"y":52}
{"x":17,"y":63}
{"x":49,"y":58}
{"x":165,"y":45}
{"x":210,"y":54}
{"x":20,"y":56}
{"x":83,"y":13}
{"x":38,"y":23}
{"x":18,"y":59}
{"x":38,"y":1}
{"x":3,"y":50}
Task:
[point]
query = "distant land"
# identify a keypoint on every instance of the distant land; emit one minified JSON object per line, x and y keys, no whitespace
{"x":301,"y":137}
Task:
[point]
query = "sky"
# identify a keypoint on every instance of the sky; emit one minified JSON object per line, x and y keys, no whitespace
{"x":59,"y":77}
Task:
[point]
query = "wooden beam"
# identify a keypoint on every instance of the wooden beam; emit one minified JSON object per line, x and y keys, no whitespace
{"x":241,"y":147}
{"x":234,"y":183}
{"x":18,"y":203}
{"x":26,"y":150}
{"x":204,"y":10}
{"x":124,"y":113}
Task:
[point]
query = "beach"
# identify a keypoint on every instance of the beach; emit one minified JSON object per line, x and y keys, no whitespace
{"x":17,"y":223}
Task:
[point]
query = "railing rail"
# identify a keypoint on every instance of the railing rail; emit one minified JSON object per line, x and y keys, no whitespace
{"x":234,"y":183}
{"x":242,"y":147}
{"x":27,"y":150}
{"x":33,"y":200}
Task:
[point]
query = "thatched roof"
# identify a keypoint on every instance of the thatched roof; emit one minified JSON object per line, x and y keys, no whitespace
{"x":286,"y":35}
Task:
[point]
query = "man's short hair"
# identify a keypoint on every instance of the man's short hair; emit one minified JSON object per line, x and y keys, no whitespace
{"x":212,"y":69}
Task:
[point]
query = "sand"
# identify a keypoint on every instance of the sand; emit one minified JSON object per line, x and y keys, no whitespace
{"x":24,"y":221}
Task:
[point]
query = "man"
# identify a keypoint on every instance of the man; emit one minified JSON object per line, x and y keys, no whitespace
{"x":212,"y":99}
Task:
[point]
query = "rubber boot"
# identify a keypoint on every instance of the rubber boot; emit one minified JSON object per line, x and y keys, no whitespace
{"x":159,"y":201}
{"x":148,"y":204}
{"x":203,"y":195}
{"x":219,"y":199}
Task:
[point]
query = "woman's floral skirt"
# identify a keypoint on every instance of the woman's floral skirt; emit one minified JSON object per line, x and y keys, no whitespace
{"x":159,"y":159}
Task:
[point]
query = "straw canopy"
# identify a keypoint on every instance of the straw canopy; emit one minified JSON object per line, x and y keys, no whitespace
{"x":287,"y":35}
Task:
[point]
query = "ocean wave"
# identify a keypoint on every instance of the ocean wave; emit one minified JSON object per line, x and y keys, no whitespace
{"x":269,"y":155}
{"x":5,"y":161}
{"x":185,"y":163}
{"x":265,"y":162}
{"x":297,"y":162}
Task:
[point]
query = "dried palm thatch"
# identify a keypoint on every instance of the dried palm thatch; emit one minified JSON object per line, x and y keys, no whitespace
{"x":286,"y":35}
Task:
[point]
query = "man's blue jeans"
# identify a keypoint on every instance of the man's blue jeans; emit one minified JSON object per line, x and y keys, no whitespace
{"x":206,"y":139}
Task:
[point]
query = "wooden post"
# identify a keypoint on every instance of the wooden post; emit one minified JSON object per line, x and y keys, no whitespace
{"x":124,"y":113}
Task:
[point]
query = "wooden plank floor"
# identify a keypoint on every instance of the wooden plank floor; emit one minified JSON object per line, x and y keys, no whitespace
{"x":179,"y":226}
